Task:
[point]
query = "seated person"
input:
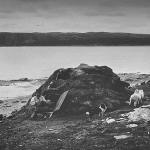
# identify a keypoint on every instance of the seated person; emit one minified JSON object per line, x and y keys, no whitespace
{"x":41,"y":105}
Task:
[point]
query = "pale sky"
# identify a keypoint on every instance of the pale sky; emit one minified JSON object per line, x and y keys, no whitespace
{"x":75,"y":16}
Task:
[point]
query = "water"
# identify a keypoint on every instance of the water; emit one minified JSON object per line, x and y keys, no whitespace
{"x":37,"y":62}
{"x":34,"y":62}
{"x":14,"y":94}
{"x":18,"y":89}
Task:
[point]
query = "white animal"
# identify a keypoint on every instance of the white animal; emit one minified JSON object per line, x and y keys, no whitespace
{"x":137,"y":97}
{"x":142,"y":93}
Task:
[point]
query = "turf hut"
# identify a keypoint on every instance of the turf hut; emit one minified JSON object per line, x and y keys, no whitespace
{"x":88,"y":86}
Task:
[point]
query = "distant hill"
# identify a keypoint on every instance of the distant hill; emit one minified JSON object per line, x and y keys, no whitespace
{"x":73,"y":39}
{"x":22,"y":80}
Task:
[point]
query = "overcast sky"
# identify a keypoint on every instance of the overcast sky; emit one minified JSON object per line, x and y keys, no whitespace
{"x":75,"y":15}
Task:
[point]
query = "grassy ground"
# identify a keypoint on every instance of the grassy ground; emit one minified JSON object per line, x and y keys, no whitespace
{"x":72,"y":133}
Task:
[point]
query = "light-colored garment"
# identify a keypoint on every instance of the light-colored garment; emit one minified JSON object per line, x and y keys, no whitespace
{"x":42,"y":98}
{"x":34,"y":100}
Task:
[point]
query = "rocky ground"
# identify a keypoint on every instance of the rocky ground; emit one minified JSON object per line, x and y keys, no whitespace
{"x":116,"y":130}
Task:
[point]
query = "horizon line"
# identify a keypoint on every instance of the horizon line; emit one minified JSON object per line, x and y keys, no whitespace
{"x":77,"y":32}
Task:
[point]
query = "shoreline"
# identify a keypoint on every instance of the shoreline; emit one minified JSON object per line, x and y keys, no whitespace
{"x":10,"y":105}
{"x":15,"y":94}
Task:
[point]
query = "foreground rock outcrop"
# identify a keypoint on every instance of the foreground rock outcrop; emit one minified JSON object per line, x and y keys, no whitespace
{"x":89,"y":86}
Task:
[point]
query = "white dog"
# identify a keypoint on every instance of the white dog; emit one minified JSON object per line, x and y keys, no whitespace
{"x":137,"y":97}
{"x":142,"y":93}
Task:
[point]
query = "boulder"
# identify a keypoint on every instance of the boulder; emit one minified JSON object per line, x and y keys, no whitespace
{"x":1,"y":101}
{"x":139,"y":114}
{"x":89,"y":86}
{"x":1,"y":117}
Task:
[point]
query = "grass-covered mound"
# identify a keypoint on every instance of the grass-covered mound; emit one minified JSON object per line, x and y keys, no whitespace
{"x":89,"y":86}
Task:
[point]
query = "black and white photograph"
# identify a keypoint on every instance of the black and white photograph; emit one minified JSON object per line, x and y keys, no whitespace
{"x":74,"y":74}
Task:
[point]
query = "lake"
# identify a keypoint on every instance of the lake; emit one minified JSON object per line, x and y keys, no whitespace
{"x":36,"y":62}
{"x":18,"y":89}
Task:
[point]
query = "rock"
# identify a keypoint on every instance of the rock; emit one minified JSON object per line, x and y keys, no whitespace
{"x":22,"y":79}
{"x":23,"y":101}
{"x":143,"y":83}
{"x":1,"y":117}
{"x":139,"y":114}
{"x":8,"y":106}
{"x":118,"y":137}
{"x":121,"y":120}
{"x":89,"y":86}
{"x":17,"y":101}
{"x":1,"y":101}
{"x":110,"y":120}
{"x":131,"y":125}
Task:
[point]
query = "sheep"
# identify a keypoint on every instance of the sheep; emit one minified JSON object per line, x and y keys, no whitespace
{"x":137,"y":97}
